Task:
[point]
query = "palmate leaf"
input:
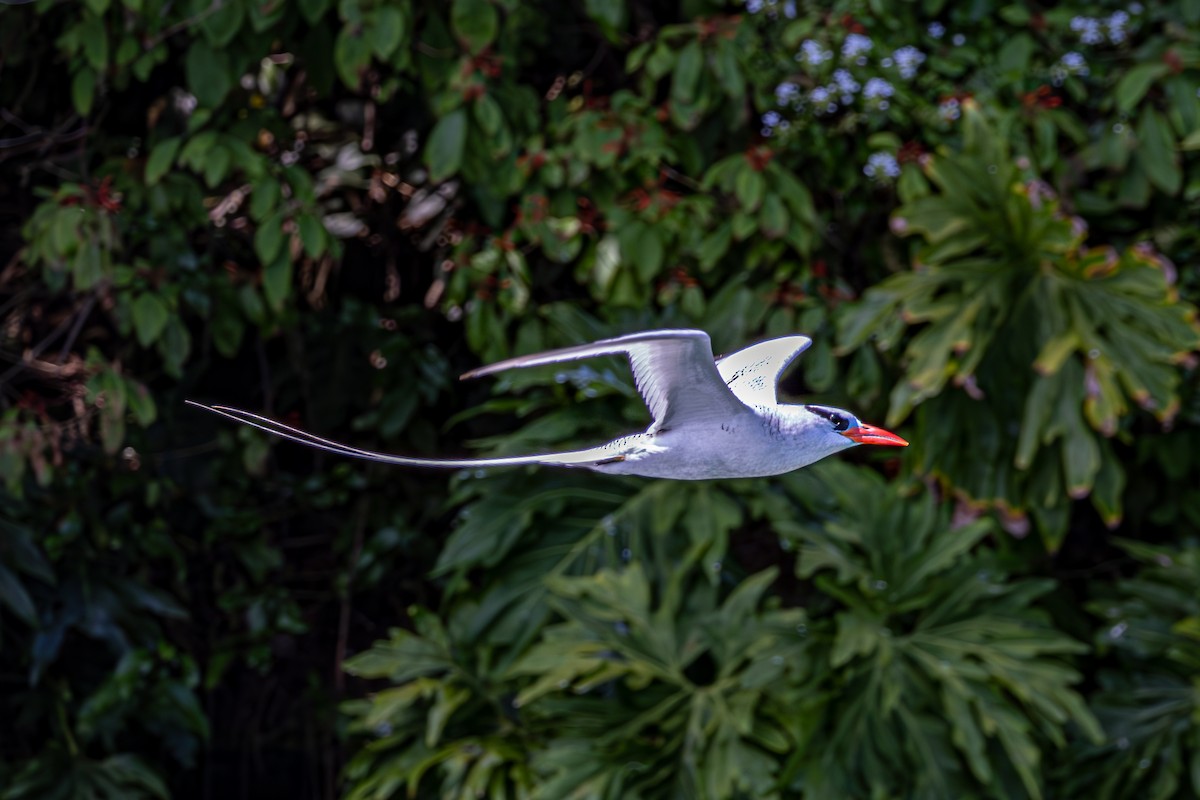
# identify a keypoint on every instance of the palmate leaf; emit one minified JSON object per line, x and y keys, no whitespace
{"x":598,"y":588}
{"x":1150,"y":704}
{"x":949,"y":681}
{"x":710,"y":667}
{"x":1017,"y":327}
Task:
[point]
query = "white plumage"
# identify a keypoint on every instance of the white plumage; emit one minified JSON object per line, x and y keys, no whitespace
{"x":710,"y":418}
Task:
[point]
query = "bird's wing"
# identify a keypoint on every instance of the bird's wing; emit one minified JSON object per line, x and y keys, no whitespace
{"x":580,"y":458}
{"x":673,"y":371}
{"x":753,"y":372}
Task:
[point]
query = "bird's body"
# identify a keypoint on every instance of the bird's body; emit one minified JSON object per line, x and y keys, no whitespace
{"x":712,"y":418}
{"x":754,"y":444}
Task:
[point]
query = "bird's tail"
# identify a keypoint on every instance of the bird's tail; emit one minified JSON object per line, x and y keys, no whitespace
{"x":577,"y":458}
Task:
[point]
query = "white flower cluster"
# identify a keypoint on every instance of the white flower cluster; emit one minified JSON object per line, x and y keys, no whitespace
{"x":1070,"y":64}
{"x":772,"y":120}
{"x":772,"y":7}
{"x":812,"y":53}
{"x":843,"y":86}
{"x":847,"y":82}
{"x":1113,"y":29}
{"x":907,"y":59}
{"x":878,"y":90}
{"x":882,"y":166}
{"x":950,"y":109}
{"x":856,"y":47}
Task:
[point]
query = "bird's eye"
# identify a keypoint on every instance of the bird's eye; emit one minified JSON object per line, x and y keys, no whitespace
{"x":839,"y":422}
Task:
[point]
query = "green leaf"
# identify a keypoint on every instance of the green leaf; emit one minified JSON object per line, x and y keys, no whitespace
{"x":488,"y":114}
{"x":1014,"y":55}
{"x":264,"y":198}
{"x":774,"y":217}
{"x":749,"y":187}
{"x":217,"y":165}
{"x":1156,"y":152}
{"x":227,"y":329}
{"x":312,"y":234}
{"x":95,"y":41}
{"x":856,"y":636}
{"x":1191,"y":141}
{"x":14,"y":596}
{"x":313,"y":10}
{"x":444,"y":150}
{"x":1038,"y":408}
{"x":175,"y":345}
{"x":88,"y":268}
{"x":1135,"y":83}
{"x":130,"y":772}
{"x":195,"y":152}
{"x":1017,"y":16}
{"x":149,"y":318}
{"x":609,"y":15}
{"x":642,"y":247}
{"x":729,"y":73}
{"x":160,"y":160}
{"x":209,"y":73}
{"x":83,"y":91}
{"x":223,"y":25}
{"x":268,"y":239}
{"x":687,"y":74}
{"x":1081,"y":460}
{"x":351,"y":55}
{"x":277,"y":281}
{"x":1109,"y":490}
{"x":141,"y":403}
{"x":387,"y":32}
{"x":474,"y":22}
{"x":1055,"y":351}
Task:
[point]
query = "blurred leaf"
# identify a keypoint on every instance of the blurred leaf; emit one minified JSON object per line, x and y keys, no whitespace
{"x":474,"y":22}
{"x":268,"y":239}
{"x":14,"y":596}
{"x":208,"y":73}
{"x":83,"y":91}
{"x":223,"y":25}
{"x":1134,"y":84}
{"x":608,"y":14}
{"x":444,"y":152}
{"x":312,"y":234}
{"x":351,"y":55}
{"x":162,"y":157}
{"x":1157,"y":152}
{"x":149,"y":318}
{"x":277,"y":281}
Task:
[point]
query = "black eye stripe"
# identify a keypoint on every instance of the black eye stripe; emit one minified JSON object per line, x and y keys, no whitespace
{"x":839,"y":422}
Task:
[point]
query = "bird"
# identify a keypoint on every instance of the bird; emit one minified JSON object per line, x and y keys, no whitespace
{"x":713,"y":418}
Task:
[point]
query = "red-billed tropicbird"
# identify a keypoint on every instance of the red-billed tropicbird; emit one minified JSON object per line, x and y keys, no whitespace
{"x":712,"y":418}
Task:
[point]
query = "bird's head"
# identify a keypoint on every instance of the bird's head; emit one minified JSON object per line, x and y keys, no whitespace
{"x":837,"y":429}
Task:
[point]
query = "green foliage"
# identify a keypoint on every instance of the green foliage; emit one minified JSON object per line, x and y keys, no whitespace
{"x":325,"y":211}
{"x":1150,"y":698}
{"x":1040,"y":332}
{"x":919,"y":663}
{"x":946,"y":673}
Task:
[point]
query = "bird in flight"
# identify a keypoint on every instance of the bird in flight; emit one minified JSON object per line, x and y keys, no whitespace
{"x":713,"y":418}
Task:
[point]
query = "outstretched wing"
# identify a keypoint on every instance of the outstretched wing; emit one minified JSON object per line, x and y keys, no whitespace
{"x":673,"y":371}
{"x":578,"y":458}
{"x":753,"y":372}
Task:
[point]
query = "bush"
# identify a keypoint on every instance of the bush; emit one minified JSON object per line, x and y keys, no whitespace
{"x":324,"y":211}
